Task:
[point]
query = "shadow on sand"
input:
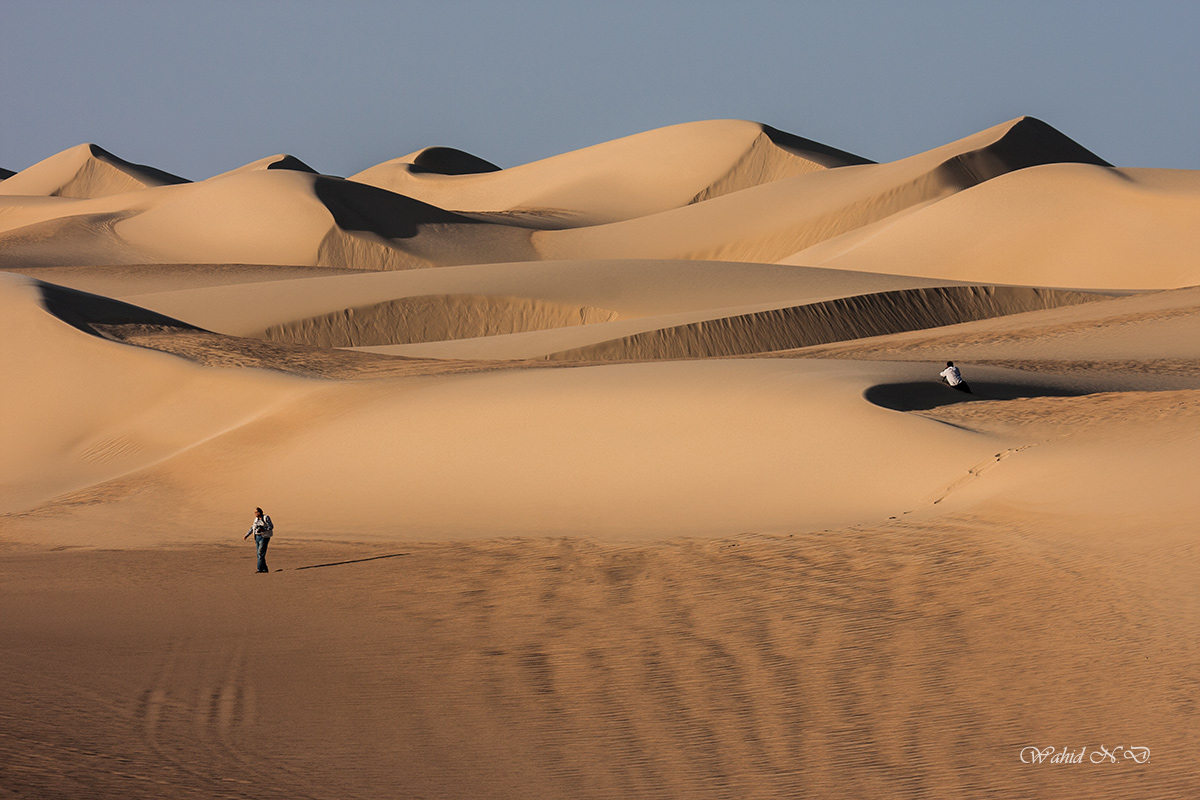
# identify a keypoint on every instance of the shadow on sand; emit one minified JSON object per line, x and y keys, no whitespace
{"x":352,"y":561}
{"x":925,"y":395}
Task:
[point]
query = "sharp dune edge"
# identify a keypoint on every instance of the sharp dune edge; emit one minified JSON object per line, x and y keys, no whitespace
{"x":622,"y":473}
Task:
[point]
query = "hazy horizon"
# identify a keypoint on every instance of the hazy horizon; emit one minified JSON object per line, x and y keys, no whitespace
{"x":197,"y":90}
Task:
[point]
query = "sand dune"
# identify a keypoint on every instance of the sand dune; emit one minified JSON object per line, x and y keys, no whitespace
{"x":772,"y":221}
{"x":634,"y":176}
{"x":767,"y":196}
{"x":1063,"y":224}
{"x":96,"y":409}
{"x":624,"y":473}
{"x":86,"y":170}
{"x":262,"y":216}
{"x":279,"y":161}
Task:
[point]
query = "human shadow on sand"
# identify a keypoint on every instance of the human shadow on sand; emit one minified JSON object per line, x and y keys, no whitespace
{"x":352,"y":561}
{"x":925,"y":395}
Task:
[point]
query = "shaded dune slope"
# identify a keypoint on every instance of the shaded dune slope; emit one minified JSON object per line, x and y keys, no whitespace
{"x":85,"y":171}
{"x":833,"y":320}
{"x":432,"y":319}
{"x":1150,"y":333}
{"x":449,"y":161}
{"x":75,"y":240}
{"x":90,"y":312}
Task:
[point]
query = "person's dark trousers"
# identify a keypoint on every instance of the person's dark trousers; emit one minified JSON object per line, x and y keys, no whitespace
{"x":261,"y":542}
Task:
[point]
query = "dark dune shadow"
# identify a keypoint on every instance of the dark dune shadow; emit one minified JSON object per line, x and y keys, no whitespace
{"x":1029,"y":143}
{"x":153,"y":175}
{"x":82,"y":310}
{"x":292,"y":163}
{"x":450,"y":161}
{"x":925,"y":395}
{"x":359,"y":207}
{"x":822,"y":154}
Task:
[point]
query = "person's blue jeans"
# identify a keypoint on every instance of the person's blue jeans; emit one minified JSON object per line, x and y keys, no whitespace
{"x":261,"y":543}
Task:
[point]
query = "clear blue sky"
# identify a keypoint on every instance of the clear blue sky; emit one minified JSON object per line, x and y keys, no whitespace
{"x":197,"y":88}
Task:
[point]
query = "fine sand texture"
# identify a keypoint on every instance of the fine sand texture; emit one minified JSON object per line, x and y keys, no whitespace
{"x":624,"y":473}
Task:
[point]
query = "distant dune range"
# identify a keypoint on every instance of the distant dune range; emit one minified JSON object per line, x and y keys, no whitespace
{"x":623,"y":473}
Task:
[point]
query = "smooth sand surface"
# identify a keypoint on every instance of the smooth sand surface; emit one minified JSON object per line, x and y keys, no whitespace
{"x":624,"y":473}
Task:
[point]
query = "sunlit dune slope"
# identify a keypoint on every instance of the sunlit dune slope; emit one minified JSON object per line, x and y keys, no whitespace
{"x":92,"y":409}
{"x":772,"y":221}
{"x":624,"y":178}
{"x":86,"y":170}
{"x":120,"y":280}
{"x":607,"y":443}
{"x":1059,"y":224}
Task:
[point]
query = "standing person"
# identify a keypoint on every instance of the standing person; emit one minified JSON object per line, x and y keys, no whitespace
{"x":261,"y":528}
{"x":953,"y":378}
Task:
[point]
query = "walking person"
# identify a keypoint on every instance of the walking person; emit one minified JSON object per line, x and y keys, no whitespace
{"x":954,"y":379}
{"x":261,"y":529}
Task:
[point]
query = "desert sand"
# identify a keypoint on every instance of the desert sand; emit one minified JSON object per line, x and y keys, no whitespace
{"x":622,"y":473}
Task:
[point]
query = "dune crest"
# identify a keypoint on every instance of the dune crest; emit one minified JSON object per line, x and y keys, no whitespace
{"x":771,"y":221}
{"x":1056,"y":224}
{"x":278,"y":161}
{"x":632,"y":176}
{"x":855,"y":317}
{"x":85,"y":171}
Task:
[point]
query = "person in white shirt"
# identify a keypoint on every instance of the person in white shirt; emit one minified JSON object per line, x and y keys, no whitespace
{"x":261,"y":529}
{"x":953,"y":378}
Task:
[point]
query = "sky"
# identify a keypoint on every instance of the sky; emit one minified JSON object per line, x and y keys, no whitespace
{"x":199,"y":88}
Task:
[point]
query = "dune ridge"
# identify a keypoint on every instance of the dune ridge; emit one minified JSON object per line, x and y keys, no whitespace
{"x":1059,"y":224}
{"x":85,"y":171}
{"x":848,"y":318}
{"x":277,"y":161}
{"x":633,"y":176}
{"x":773,"y":221}
{"x":433,"y":318}
{"x":719,"y":190}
